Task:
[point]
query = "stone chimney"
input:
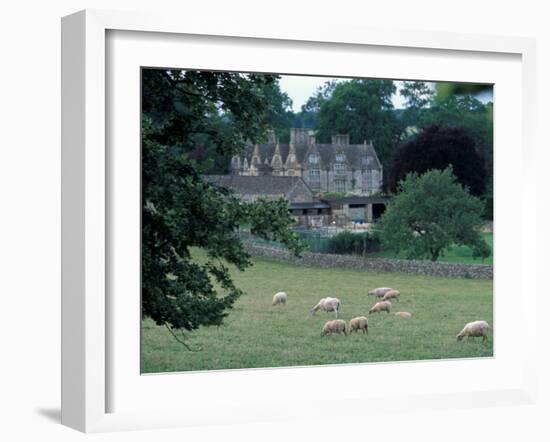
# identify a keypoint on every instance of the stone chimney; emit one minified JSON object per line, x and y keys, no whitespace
{"x":340,"y":140}
{"x":271,"y":137}
{"x":299,"y":135}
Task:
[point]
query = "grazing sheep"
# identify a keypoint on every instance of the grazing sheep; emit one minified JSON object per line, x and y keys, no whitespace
{"x":404,"y":314}
{"x":359,"y":323}
{"x":380,"y":291}
{"x":279,"y":298}
{"x":472,"y":329}
{"x":382,"y":306}
{"x":327,"y":305}
{"x":334,"y":326}
{"x":392,"y":294}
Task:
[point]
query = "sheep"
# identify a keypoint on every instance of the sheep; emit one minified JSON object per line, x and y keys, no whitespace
{"x":334,"y":326}
{"x":472,"y":329}
{"x":279,"y":298}
{"x":327,"y":305}
{"x":392,"y":294}
{"x":359,"y":323}
{"x":381,"y":307}
{"x":404,"y":314}
{"x":379,"y":292}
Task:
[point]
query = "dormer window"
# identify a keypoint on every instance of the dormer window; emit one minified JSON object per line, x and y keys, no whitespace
{"x":340,"y":157}
{"x":314,"y":159}
{"x":365,"y":161}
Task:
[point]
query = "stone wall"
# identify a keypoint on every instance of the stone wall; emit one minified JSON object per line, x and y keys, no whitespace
{"x":324,"y":260}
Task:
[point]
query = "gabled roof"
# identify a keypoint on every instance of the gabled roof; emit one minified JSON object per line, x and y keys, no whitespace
{"x":258,"y":185}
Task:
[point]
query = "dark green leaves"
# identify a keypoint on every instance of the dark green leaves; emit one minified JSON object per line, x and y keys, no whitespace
{"x":192,"y":122}
{"x":430,"y":213}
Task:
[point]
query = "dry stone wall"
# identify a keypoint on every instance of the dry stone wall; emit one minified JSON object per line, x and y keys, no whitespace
{"x":325,"y":260}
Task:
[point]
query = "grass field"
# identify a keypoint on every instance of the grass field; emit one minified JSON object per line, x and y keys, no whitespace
{"x":459,"y":254}
{"x":259,"y":335}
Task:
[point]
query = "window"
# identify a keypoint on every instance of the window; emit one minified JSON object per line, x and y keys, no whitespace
{"x":340,"y":186}
{"x":315,"y":175}
{"x":365,"y":161}
{"x":366,"y":181}
{"x":340,"y":157}
{"x":339,"y":168}
{"x":314,"y":159}
{"x":314,"y":179}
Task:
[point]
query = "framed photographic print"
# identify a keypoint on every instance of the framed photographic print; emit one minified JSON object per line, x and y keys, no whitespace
{"x":250,"y":214}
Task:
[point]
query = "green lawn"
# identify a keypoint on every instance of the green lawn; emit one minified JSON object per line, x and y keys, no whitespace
{"x":459,"y":254}
{"x":259,"y":335}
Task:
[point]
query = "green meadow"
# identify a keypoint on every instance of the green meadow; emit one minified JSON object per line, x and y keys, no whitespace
{"x":256,"y":334}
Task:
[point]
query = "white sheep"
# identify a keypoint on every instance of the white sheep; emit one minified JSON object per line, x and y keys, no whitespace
{"x":379,"y":292}
{"x":279,"y":298}
{"x":382,"y":306}
{"x":327,"y":305}
{"x":404,"y":314}
{"x":359,"y":323}
{"x":473,"y":329}
{"x":334,"y":326}
{"x":392,"y":294}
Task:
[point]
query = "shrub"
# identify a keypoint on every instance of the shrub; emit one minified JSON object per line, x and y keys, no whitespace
{"x":349,"y":243}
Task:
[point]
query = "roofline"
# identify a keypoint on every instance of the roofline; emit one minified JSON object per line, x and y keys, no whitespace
{"x":366,"y":199}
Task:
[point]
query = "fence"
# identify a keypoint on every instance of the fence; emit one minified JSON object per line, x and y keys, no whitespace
{"x":326,"y":240}
{"x":316,"y":241}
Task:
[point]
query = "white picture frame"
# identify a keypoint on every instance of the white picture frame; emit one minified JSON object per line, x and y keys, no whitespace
{"x":86,"y":210}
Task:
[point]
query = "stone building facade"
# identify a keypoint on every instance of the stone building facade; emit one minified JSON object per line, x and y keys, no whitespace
{"x":338,"y":167}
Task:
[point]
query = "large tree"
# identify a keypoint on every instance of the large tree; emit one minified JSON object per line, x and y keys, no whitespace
{"x":219,"y":123}
{"x":437,"y":147}
{"x":364,"y":110}
{"x":181,"y":111}
{"x":279,"y":113}
{"x":308,"y":117}
{"x":418,"y":95}
{"x":430,"y":213}
{"x":467,"y":112}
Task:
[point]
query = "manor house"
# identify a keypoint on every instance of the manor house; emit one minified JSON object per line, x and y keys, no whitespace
{"x":336,"y":167}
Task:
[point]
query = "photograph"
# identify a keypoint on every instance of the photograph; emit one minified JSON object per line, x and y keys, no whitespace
{"x":302,"y":220}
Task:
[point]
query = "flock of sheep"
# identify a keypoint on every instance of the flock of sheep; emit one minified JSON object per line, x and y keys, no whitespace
{"x":361,"y":323}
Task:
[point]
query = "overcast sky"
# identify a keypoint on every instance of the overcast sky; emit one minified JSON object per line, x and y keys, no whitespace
{"x":300,"y":88}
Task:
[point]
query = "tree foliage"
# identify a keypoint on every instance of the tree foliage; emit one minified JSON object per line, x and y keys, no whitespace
{"x":280,"y":116}
{"x":210,"y":115}
{"x":364,"y":110}
{"x":469,"y":113}
{"x":437,"y":147}
{"x":418,"y":95}
{"x":183,"y":111}
{"x":430,"y":213}
{"x":308,"y":117}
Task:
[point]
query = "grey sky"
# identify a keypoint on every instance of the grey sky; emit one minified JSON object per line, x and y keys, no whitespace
{"x":300,"y":88}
